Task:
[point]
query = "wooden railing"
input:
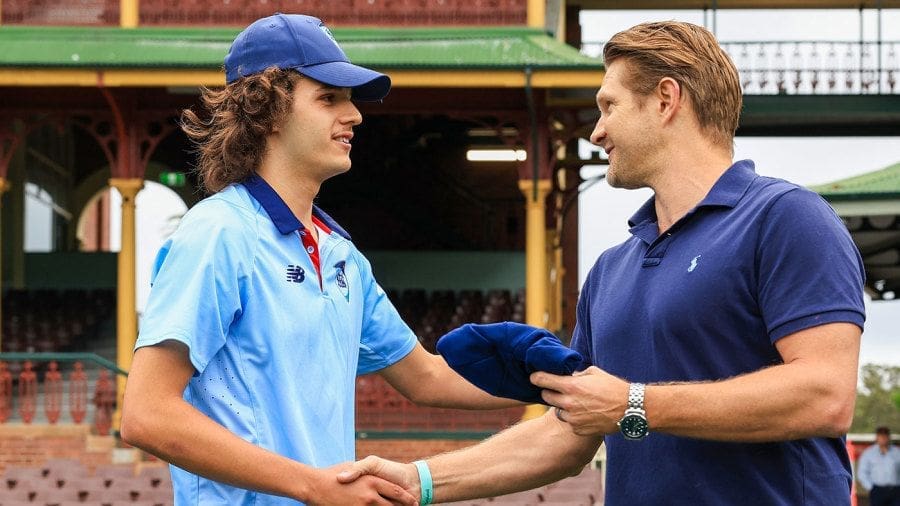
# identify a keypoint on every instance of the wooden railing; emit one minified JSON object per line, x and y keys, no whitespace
{"x":33,"y":387}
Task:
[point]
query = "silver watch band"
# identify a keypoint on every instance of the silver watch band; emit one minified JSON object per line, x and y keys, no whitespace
{"x":636,"y":396}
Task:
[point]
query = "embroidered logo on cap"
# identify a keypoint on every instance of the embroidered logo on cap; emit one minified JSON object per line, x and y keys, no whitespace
{"x":341,"y":279}
{"x":327,"y":32}
{"x":295,"y":274}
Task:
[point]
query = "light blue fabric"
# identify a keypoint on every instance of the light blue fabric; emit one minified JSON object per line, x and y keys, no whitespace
{"x":276,"y":357}
{"x":876,"y":468}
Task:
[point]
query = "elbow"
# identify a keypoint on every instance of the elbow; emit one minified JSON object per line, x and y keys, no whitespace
{"x":836,"y":414}
{"x":132,"y":430}
{"x":841,"y":420}
{"x":137,"y":425}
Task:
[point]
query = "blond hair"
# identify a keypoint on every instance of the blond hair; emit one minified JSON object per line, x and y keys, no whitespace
{"x":691,"y":56}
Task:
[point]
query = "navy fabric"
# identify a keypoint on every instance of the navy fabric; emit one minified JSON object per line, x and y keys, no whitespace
{"x":757,"y":260}
{"x":499,"y":357}
{"x":302,"y":43}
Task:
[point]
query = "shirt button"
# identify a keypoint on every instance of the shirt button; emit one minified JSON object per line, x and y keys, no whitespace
{"x":309,"y":249}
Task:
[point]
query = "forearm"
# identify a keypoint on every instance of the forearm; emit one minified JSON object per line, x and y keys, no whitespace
{"x":783,"y":402}
{"x":426,"y":379}
{"x":526,"y":456}
{"x":177,"y":433}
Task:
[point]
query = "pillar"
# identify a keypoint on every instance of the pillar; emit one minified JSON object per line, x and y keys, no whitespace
{"x":536,"y":275}
{"x":4,"y":185}
{"x":126,"y":314}
{"x":128,"y":13}
{"x":536,"y":16}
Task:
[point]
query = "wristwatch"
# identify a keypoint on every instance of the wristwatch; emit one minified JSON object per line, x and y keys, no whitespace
{"x":634,"y":425}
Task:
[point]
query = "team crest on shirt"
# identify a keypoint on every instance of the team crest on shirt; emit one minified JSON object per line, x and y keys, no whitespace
{"x":341,"y":279}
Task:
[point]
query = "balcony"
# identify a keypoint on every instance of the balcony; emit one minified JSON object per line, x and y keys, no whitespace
{"x":810,"y":67}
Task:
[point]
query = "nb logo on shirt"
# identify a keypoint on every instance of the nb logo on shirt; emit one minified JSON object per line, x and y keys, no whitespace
{"x":694,"y":262}
{"x":295,"y":274}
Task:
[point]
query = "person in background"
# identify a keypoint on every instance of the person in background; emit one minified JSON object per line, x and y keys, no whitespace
{"x":878,"y":470}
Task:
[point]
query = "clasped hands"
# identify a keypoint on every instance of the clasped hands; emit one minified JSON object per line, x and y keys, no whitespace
{"x":590,"y":402}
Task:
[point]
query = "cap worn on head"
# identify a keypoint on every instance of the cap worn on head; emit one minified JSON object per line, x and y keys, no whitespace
{"x":302,"y":43}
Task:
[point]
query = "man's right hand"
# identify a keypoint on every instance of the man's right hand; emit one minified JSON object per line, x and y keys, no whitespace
{"x":403,"y":475}
{"x":364,"y":489}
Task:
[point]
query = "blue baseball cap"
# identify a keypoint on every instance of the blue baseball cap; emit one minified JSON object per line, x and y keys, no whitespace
{"x":302,"y":43}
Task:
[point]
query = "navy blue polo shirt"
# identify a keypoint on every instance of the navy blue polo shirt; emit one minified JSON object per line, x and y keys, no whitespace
{"x":758,"y":259}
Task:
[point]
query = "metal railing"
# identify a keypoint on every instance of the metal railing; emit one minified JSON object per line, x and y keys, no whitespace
{"x":33,"y":388}
{"x":810,"y":67}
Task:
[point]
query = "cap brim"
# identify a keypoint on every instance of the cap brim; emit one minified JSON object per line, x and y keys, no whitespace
{"x":367,"y":85}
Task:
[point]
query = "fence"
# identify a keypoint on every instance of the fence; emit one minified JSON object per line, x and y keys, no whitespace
{"x":810,"y":67}
{"x":33,"y":387}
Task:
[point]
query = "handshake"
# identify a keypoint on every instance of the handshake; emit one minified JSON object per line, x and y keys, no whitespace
{"x":507,"y":360}
{"x":378,"y":481}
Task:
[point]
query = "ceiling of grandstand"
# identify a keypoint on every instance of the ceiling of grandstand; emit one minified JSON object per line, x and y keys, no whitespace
{"x":870,"y":206}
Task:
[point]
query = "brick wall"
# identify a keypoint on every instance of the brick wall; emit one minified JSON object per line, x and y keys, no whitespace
{"x":408,"y":450}
{"x":33,"y":445}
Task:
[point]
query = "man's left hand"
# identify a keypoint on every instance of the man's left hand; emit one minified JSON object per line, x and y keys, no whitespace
{"x":592,"y":401}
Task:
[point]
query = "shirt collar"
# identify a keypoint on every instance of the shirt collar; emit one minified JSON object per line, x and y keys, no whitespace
{"x":727,"y":192}
{"x":280,"y":213}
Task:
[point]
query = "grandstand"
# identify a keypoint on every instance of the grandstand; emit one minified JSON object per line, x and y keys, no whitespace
{"x":89,"y":96}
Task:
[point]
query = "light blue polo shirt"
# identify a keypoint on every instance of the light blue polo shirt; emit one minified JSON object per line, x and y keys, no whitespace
{"x":276,"y":355}
{"x":757,"y":260}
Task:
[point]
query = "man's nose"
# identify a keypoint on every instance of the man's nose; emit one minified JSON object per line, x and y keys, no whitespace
{"x":599,"y":133}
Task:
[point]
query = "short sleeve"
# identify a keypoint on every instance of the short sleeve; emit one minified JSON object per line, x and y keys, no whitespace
{"x":581,"y":337}
{"x":385,"y":337}
{"x":198,"y":281}
{"x":810,"y":271}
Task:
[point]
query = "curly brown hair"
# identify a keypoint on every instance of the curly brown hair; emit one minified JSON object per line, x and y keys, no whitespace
{"x":232,"y":140}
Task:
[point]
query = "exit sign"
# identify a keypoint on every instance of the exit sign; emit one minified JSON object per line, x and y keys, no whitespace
{"x":175,"y":179}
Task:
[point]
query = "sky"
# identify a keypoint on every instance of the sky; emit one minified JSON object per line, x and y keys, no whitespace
{"x":604,"y":211}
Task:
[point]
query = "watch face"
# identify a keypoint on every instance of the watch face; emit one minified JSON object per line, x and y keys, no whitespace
{"x":634,"y":426}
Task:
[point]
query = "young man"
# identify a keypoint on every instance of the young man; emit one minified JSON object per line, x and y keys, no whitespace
{"x":727,"y":326}
{"x":879,"y":470}
{"x":262,"y":311}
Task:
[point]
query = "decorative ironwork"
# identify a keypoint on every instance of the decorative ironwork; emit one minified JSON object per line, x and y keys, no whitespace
{"x":27,"y":393}
{"x":78,"y":393}
{"x":811,"y":67}
{"x":104,"y":403}
{"x":52,"y":393}
{"x":6,"y":393}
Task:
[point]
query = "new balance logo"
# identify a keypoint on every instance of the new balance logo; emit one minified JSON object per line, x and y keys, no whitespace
{"x":295,"y":274}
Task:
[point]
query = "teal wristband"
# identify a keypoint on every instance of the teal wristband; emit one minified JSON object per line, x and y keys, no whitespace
{"x":425,"y":483}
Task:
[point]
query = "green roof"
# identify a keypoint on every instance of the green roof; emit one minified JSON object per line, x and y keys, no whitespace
{"x":879,"y":185}
{"x":205,"y":48}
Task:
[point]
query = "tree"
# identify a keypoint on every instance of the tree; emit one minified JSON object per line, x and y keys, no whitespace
{"x":878,"y":399}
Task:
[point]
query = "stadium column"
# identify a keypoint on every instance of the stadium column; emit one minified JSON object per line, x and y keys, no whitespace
{"x":536,"y":278}
{"x":126,"y":315}
{"x":129,"y":13}
{"x":4,"y":185}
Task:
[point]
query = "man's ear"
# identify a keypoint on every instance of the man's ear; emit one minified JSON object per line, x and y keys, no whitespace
{"x":668,"y":92}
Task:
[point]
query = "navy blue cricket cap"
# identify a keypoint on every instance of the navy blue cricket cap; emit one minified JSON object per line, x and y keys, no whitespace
{"x":302,"y":43}
{"x":499,"y":357}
